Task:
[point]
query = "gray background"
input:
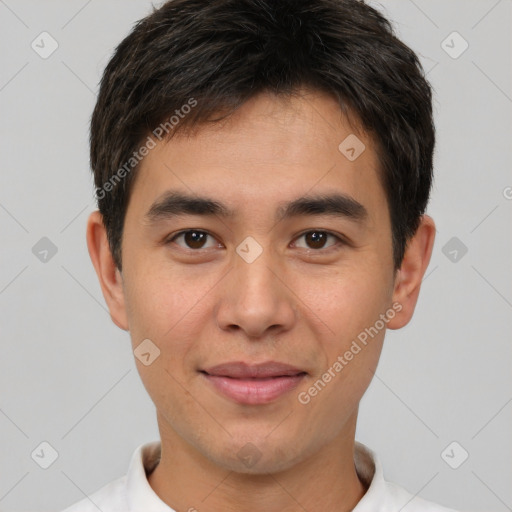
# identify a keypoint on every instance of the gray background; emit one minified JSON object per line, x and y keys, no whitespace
{"x":67,"y":374}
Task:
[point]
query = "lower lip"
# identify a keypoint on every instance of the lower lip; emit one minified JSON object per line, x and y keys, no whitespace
{"x":254,"y":391}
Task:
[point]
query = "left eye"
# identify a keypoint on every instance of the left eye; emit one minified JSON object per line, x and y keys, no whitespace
{"x":317,"y":240}
{"x":194,"y":239}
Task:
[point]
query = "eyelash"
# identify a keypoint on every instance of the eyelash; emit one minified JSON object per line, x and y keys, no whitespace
{"x":339,"y":239}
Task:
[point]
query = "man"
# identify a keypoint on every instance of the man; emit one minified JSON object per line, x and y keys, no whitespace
{"x":262,"y":170}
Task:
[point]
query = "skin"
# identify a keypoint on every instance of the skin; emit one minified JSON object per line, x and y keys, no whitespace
{"x":295,"y":304}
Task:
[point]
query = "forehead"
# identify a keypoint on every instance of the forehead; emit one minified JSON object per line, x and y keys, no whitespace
{"x":268,"y":151}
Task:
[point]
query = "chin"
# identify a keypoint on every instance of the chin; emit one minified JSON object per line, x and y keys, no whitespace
{"x":258,"y":456}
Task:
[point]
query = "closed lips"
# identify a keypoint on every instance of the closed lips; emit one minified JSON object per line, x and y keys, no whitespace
{"x":242,"y":370}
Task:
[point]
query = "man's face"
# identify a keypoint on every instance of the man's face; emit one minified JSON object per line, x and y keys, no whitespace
{"x":261,"y":284}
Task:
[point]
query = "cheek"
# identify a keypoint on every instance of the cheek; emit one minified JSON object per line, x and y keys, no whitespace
{"x":351,"y":354}
{"x":163,"y":309}
{"x":347,"y":301}
{"x":350,"y":303}
{"x":161,"y":304}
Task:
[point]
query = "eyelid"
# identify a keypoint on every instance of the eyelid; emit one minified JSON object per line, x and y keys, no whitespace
{"x":340,"y":239}
{"x":171,"y":238}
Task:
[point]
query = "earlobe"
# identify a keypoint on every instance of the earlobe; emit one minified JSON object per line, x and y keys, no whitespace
{"x":410,"y":275}
{"x":109,"y":276}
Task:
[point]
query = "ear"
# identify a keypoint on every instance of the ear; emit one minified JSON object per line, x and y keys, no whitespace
{"x":111,"y":280}
{"x":410,"y":274}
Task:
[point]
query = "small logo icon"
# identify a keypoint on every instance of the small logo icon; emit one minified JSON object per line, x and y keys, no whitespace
{"x":146,"y":352}
{"x":44,"y":455}
{"x":454,"y":250}
{"x":454,"y":455}
{"x":44,"y":45}
{"x":44,"y":250}
{"x":249,"y":455}
{"x":454,"y":45}
{"x":351,"y":147}
{"x":249,"y":249}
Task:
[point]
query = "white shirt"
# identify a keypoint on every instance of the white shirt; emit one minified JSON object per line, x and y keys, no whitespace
{"x":132,"y":492}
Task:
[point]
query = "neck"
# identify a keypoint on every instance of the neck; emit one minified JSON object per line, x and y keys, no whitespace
{"x":326,"y":481}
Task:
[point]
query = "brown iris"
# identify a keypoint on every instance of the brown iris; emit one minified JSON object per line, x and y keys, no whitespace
{"x":195,"y":239}
{"x":316,"y":239}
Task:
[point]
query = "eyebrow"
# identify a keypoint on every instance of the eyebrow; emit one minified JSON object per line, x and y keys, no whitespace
{"x":173,"y":204}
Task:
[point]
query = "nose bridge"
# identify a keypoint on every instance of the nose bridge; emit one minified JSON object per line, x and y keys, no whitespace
{"x":256,"y":279}
{"x":258,"y":291}
{"x":254,"y":299}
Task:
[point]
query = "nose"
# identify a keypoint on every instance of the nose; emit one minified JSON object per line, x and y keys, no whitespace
{"x":256,"y":299}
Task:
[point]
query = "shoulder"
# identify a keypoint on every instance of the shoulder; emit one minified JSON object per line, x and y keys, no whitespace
{"x":382,"y":495}
{"x":110,"y":498}
{"x":130,"y":491}
{"x":410,"y":503}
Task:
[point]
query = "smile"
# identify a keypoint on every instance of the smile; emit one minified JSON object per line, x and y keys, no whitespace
{"x":253,"y":384}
